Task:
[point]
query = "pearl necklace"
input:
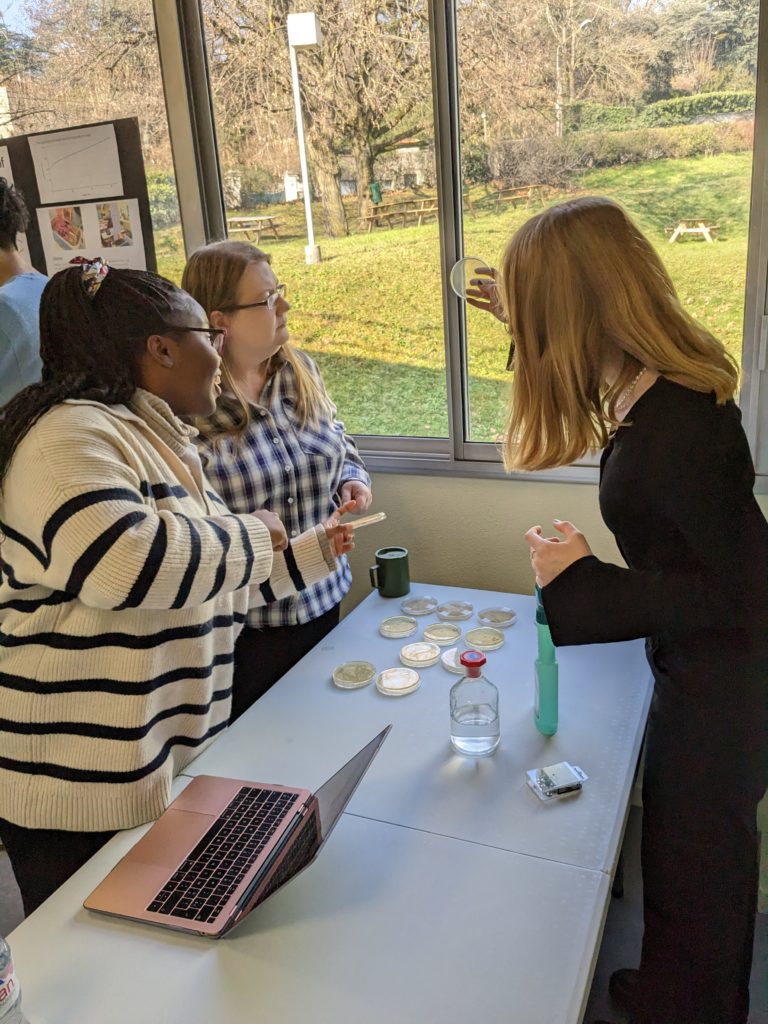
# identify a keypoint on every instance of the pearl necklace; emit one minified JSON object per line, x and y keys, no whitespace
{"x":626,"y":394}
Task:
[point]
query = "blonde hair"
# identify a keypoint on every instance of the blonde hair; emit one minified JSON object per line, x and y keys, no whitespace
{"x":580,"y":284}
{"x":212,"y":276}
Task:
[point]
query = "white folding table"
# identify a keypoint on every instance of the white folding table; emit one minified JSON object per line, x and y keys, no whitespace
{"x":303,"y":729}
{"x":446,"y":892}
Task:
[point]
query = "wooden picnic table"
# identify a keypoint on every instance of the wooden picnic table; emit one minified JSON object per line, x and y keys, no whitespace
{"x":515,"y":194}
{"x":692,"y":226}
{"x":414,"y":210}
{"x":252,"y":227}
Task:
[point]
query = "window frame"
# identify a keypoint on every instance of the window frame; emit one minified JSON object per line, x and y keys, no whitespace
{"x":193,"y":139}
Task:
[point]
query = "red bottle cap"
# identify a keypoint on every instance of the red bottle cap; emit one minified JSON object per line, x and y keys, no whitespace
{"x":473,"y":661}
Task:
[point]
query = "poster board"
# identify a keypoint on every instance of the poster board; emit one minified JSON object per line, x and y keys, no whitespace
{"x":86,"y":193}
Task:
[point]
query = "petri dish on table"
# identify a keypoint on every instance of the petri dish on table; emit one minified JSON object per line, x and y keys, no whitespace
{"x":443,"y":633}
{"x":419,"y":605}
{"x":455,"y":610}
{"x":398,"y":626}
{"x":397,"y":682}
{"x":450,"y":660}
{"x":500,"y":618}
{"x":353,"y":674}
{"x":464,"y":272}
{"x":484,"y":638}
{"x":420,"y":655}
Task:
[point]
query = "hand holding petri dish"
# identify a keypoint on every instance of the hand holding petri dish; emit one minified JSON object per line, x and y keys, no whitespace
{"x":475,"y":282}
{"x":467,"y":276}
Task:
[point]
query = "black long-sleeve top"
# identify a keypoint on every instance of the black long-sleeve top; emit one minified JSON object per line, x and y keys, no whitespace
{"x":676,"y":490}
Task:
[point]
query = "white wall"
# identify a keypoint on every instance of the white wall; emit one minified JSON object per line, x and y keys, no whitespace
{"x":469,"y":533}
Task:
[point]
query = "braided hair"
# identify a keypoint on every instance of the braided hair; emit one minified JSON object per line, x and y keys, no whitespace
{"x":90,"y":345}
{"x":14,"y":217}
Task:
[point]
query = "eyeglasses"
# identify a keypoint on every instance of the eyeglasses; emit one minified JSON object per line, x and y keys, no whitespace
{"x":215,"y":334}
{"x":270,"y":302}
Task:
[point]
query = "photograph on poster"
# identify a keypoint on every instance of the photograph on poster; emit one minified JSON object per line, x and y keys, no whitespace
{"x":111,"y":230}
{"x":6,"y":171}
{"x":79,"y":164}
{"x":114,"y":224}
{"x":67,"y":227}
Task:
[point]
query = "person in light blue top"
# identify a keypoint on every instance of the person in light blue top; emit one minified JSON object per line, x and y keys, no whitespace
{"x":20,"y":291}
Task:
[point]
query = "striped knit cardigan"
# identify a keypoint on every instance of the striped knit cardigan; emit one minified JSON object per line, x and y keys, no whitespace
{"x":124,"y":583}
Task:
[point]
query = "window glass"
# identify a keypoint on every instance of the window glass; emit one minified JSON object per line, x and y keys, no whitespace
{"x":370,"y":312}
{"x":649,"y":103}
{"x":72,"y":62}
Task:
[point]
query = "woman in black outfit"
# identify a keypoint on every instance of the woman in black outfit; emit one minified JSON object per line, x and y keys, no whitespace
{"x":605,"y":356}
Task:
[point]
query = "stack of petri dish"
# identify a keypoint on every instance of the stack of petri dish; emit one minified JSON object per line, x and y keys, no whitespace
{"x":450,"y":660}
{"x":397,"y":682}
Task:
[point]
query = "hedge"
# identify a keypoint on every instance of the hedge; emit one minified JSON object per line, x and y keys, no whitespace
{"x":588,"y":116}
{"x":607,"y":149}
{"x":685,"y":109}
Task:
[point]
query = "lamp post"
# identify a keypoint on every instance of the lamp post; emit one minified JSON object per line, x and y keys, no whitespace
{"x":303,"y":34}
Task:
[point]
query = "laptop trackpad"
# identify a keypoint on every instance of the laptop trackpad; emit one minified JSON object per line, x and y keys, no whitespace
{"x":174,"y":835}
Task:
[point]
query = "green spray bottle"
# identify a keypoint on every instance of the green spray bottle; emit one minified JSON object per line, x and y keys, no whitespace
{"x":545,"y":669}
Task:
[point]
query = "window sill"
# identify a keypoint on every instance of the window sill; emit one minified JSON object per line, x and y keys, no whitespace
{"x":432,"y":457}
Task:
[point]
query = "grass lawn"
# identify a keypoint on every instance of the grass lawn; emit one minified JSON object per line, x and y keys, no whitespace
{"x":371,"y":312}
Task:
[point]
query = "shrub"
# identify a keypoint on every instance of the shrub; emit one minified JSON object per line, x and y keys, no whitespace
{"x":475,"y":168}
{"x":542,"y":161}
{"x":588,"y":116}
{"x":606,"y":149}
{"x":255,"y":184}
{"x":685,"y":109}
{"x":163,"y":199}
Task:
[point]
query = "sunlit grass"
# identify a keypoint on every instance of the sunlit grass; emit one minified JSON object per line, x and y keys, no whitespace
{"x":371,"y":312}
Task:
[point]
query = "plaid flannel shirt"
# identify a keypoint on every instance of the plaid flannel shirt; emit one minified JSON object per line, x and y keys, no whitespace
{"x":296,"y":472}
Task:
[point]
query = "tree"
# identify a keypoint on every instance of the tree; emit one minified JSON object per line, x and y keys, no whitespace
{"x":362,"y":91}
{"x":92,"y":60}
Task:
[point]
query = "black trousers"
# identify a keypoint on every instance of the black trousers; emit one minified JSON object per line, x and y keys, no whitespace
{"x":262,"y":656}
{"x":43,"y":859}
{"x":704,"y":776}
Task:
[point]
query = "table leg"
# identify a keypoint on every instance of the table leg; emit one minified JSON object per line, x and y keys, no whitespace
{"x":676,"y":234}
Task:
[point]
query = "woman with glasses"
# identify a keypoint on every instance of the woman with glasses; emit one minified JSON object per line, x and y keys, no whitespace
{"x":604,"y":356}
{"x":124,"y":580}
{"x":273,"y":442}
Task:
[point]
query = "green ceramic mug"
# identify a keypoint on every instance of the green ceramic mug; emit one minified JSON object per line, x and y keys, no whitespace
{"x":390,"y":574}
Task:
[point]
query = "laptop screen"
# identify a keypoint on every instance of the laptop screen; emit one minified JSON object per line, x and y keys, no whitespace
{"x":333,"y":796}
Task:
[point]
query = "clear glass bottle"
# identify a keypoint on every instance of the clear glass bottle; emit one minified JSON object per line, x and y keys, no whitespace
{"x":474,"y":710}
{"x":10,"y":992}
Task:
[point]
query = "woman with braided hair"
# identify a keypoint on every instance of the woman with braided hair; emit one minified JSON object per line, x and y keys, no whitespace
{"x":20,"y":291}
{"x":124,"y":580}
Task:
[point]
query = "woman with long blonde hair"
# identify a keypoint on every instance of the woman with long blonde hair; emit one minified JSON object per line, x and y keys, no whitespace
{"x":273,"y":442}
{"x":605,"y":357}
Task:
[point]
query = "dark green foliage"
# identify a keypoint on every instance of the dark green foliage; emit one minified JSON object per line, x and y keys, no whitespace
{"x":163,"y":200}
{"x":684,"y":109}
{"x":590,"y":117}
{"x":475,"y":168}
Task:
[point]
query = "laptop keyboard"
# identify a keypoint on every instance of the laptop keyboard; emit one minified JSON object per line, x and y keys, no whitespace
{"x":206,"y":880}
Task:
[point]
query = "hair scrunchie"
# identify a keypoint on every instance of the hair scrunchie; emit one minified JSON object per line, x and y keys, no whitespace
{"x":94,"y":272}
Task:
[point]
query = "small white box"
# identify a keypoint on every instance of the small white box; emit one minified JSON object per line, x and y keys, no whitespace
{"x":304,"y":30}
{"x":556,"y":780}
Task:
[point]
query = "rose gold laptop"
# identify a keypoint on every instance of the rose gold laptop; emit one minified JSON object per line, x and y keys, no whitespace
{"x":223,"y":846}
